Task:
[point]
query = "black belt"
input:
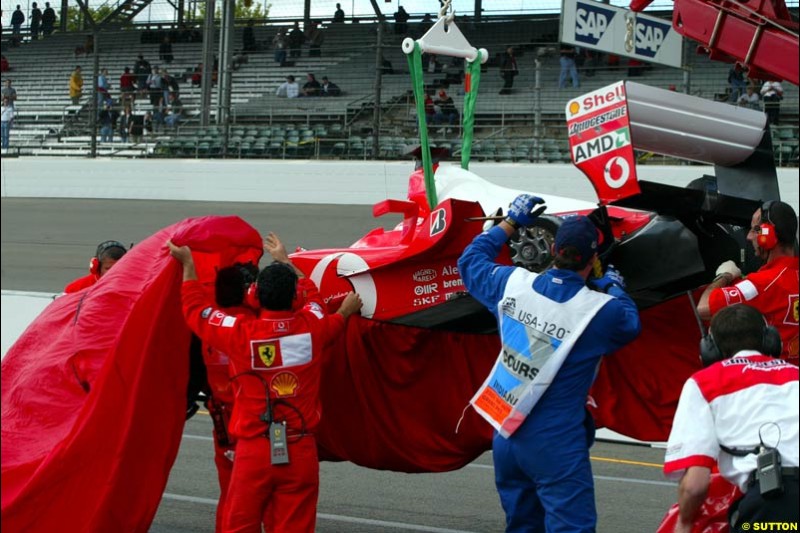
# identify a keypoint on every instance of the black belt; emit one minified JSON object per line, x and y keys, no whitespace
{"x":787,"y":473}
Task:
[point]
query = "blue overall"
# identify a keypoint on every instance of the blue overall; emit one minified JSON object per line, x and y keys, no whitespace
{"x":542,"y":472}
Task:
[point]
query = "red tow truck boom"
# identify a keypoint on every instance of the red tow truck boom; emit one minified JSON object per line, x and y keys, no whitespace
{"x":759,"y":34}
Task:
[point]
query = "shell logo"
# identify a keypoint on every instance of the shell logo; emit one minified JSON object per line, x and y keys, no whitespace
{"x":574,"y":107}
{"x":284,"y":384}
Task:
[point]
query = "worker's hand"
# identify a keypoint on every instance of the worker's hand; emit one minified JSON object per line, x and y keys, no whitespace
{"x":182,"y":253}
{"x":274,"y":247}
{"x":729,"y":267}
{"x":610,"y":278}
{"x":522,"y":210}
{"x":351,"y":304}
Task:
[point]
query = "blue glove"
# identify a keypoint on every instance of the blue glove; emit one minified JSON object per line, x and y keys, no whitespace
{"x":610,"y":278}
{"x":521,"y":211}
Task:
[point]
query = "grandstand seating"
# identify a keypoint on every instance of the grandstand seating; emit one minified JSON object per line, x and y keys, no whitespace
{"x":265,"y":125}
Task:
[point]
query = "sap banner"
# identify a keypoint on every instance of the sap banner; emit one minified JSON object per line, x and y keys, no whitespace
{"x":616,"y":30}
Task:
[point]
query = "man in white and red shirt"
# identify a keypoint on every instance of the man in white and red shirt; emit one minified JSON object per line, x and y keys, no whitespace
{"x":275,"y":362}
{"x":774,"y":288}
{"x":727,"y":412}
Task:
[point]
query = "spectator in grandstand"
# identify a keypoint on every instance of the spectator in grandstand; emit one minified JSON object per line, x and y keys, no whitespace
{"x":9,"y":92}
{"x":108,"y":119}
{"x":76,"y":86}
{"x":636,"y":67}
{"x":508,"y":70}
{"x":147,"y":123}
{"x":48,"y":19}
{"x":401,"y":21}
{"x":175,"y":113}
{"x":430,"y":107}
{"x":311,"y":87}
{"x":338,"y":17}
{"x":737,"y":82}
{"x":17,"y":18}
{"x":165,"y":51}
{"x":36,"y":21}
{"x":197,"y":75}
{"x":567,"y":61}
{"x":4,"y":66}
{"x":329,"y":88}
{"x":424,"y":24}
{"x":85,"y":49}
{"x":592,"y":62}
{"x":169,"y":84}
{"x":142,"y":70}
{"x":155,"y":86}
{"x":125,"y":122}
{"x":126,"y":86}
{"x":279,"y":46}
{"x":445,"y":109}
{"x":296,"y":40}
{"x":103,"y":89}
{"x":386,"y":66}
{"x":249,"y":37}
{"x":750,"y":99}
{"x":772,"y":93}
{"x":239,"y":58}
{"x":289,"y":88}
{"x":315,"y":38}
{"x":7,"y":117}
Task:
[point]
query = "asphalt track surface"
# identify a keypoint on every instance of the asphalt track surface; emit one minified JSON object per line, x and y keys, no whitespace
{"x":47,"y":243}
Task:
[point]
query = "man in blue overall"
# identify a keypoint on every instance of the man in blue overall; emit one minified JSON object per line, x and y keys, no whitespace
{"x":554,"y":330}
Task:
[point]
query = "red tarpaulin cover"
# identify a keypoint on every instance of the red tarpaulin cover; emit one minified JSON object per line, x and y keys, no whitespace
{"x":98,"y":461}
{"x":392,"y":395}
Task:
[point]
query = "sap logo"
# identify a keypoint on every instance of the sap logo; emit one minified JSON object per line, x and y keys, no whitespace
{"x":591,"y":22}
{"x":650,"y":35}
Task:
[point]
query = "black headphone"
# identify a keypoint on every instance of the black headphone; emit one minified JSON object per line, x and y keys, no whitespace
{"x":771,"y":345}
{"x":102,"y":248}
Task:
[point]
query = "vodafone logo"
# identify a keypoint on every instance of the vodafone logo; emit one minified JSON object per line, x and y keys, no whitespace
{"x":616,"y":172}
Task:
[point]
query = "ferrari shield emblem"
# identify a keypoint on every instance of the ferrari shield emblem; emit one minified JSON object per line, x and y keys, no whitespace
{"x":266,"y":355}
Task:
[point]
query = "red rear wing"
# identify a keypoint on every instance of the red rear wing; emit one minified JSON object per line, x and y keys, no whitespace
{"x":606,"y":126}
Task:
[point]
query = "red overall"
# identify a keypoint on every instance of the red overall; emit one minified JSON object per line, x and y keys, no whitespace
{"x":81,"y":283}
{"x":274,"y":359}
{"x":220,"y":406}
{"x":773,"y":290}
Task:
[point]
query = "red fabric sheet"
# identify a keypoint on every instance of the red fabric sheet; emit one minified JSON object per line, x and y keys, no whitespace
{"x":392,"y":397}
{"x":98,"y":461}
{"x":637,"y":389}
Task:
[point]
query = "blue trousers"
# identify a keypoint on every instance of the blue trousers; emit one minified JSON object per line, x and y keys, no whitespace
{"x":5,"y":134}
{"x":545,"y":485}
{"x":568,"y":67}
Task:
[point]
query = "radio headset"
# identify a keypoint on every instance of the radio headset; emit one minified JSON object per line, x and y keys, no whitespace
{"x":771,"y":345}
{"x":102,"y":248}
{"x":767,"y":237}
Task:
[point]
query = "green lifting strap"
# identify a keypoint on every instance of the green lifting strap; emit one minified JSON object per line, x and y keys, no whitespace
{"x":472,"y":81}
{"x":415,"y":68}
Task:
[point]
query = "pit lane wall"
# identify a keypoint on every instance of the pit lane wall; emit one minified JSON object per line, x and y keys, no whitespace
{"x":315,"y":182}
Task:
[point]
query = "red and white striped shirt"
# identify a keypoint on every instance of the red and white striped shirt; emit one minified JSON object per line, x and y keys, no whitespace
{"x":738,"y":403}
